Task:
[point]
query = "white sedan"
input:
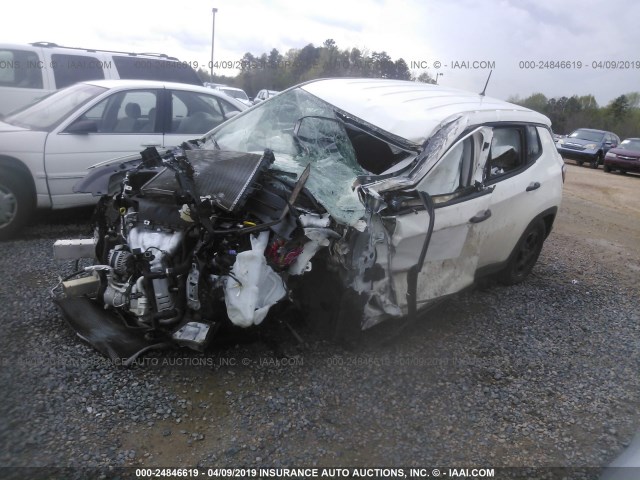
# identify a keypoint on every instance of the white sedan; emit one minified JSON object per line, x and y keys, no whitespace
{"x":48,"y":146}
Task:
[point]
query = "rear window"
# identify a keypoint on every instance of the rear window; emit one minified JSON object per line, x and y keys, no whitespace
{"x":70,"y":69}
{"x":20,"y":68}
{"x":135,"y":68}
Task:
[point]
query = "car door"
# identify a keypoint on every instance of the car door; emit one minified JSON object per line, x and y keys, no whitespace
{"x":520,"y":166}
{"x":122,"y":124}
{"x":192,"y":114}
{"x":459,"y":225}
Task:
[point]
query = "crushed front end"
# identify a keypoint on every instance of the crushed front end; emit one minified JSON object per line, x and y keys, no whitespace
{"x":186,"y":242}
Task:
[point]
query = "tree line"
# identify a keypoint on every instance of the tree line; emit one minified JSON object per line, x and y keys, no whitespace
{"x":621,"y":115}
{"x":276,"y":71}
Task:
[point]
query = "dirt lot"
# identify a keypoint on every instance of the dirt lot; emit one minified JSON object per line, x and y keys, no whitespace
{"x":601,"y":212}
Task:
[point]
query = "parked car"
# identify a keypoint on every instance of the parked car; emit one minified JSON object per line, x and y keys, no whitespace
{"x":47,"y":147}
{"x":236,"y":93}
{"x":587,"y":145}
{"x":359,"y":200}
{"x":30,"y":72}
{"x":263,"y":95}
{"x":625,"y":157}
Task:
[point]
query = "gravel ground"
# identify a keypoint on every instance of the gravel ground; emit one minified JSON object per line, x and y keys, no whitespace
{"x":544,"y":374}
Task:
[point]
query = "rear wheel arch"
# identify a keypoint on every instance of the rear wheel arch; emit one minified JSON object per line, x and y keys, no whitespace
{"x":548,"y":219}
{"x":515,"y":271}
{"x":18,"y":168}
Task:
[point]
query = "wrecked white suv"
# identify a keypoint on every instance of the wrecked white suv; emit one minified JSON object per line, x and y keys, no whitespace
{"x":361,"y":200}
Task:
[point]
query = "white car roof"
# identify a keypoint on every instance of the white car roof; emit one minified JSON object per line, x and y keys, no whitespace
{"x":412,"y":110}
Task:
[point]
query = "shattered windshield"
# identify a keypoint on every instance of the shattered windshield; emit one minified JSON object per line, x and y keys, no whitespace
{"x":301,"y":129}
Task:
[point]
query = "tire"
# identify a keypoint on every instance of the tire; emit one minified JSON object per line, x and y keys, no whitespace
{"x":17,"y":203}
{"x":524,"y":255}
{"x":606,"y":168}
{"x":596,"y":161}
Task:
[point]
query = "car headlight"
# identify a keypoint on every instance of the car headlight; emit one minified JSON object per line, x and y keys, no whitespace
{"x":561,"y":142}
{"x":611,"y":155}
{"x":591,"y":146}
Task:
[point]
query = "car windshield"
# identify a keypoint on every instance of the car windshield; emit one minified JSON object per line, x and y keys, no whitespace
{"x":587,"y":135}
{"x":235,"y":93}
{"x":53,"y":109}
{"x":320,"y":140}
{"x":630,"y":145}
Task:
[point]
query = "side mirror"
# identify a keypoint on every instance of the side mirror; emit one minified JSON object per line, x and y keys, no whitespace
{"x":83,"y":127}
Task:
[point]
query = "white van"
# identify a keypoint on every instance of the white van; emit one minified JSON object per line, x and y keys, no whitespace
{"x":29,"y":72}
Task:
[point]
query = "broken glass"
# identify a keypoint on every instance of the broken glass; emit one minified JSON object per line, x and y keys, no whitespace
{"x":301,"y":129}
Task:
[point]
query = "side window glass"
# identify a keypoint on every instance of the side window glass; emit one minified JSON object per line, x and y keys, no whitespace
{"x":135,"y":112}
{"x":125,"y":112}
{"x":453,"y":171}
{"x":534,"y":147}
{"x":70,"y":69}
{"x":194,"y":113}
{"x":21,"y":69}
{"x":98,"y":114}
{"x":506,"y":152}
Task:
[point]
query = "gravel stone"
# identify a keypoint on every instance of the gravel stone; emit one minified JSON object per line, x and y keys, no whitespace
{"x":539,"y":374}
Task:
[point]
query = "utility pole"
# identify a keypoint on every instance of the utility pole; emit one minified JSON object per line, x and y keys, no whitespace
{"x":213,"y":37}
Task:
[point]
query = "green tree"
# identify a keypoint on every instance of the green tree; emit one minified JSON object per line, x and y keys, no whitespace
{"x":619,"y":107}
{"x":537,"y":102}
{"x":424,"y":77}
{"x":402,"y":70}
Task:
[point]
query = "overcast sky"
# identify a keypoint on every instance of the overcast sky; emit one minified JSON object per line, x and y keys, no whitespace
{"x":506,"y":32}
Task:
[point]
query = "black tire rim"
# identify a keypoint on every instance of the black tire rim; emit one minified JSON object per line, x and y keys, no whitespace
{"x":8,"y":206}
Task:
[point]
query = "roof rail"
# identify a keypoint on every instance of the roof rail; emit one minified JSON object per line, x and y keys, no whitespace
{"x":131,"y":54}
{"x":44,"y":44}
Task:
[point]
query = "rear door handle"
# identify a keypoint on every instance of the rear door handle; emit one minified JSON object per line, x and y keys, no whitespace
{"x":481,"y":217}
{"x":533,"y":186}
